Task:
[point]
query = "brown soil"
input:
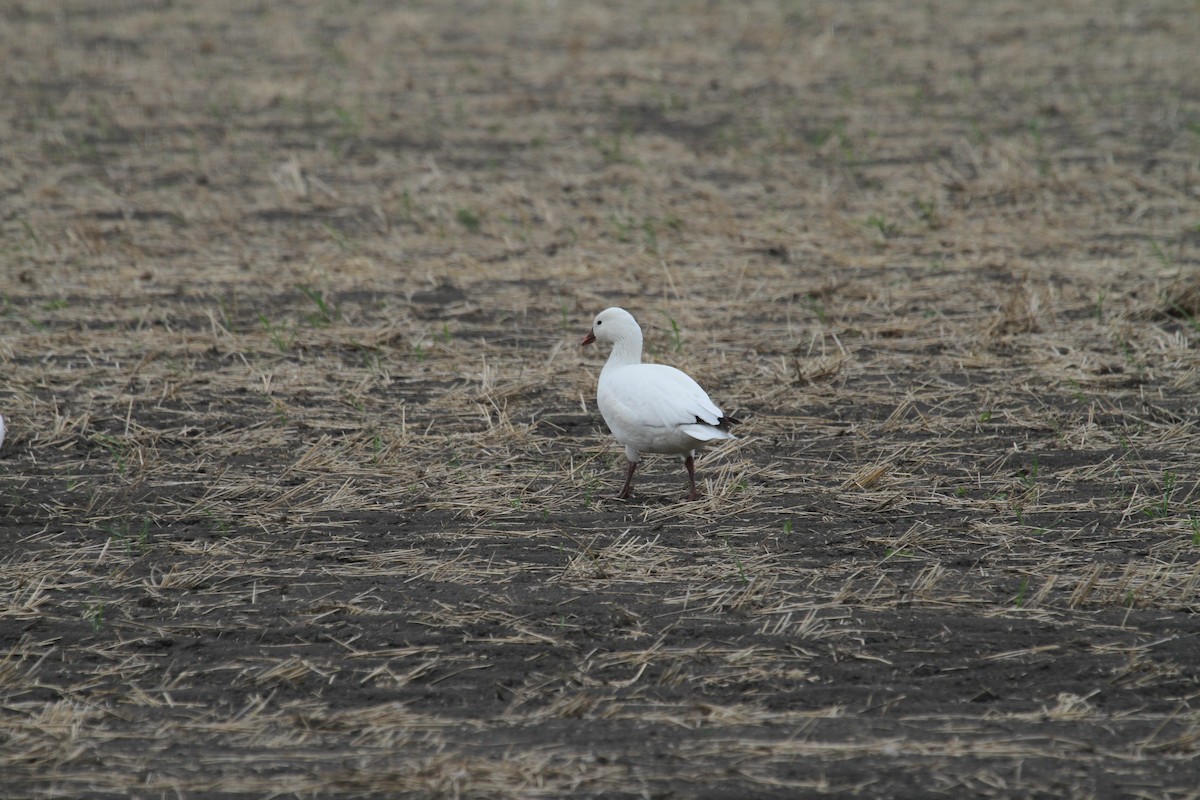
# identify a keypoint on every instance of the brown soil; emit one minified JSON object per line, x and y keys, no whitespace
{"x":305,"y":491}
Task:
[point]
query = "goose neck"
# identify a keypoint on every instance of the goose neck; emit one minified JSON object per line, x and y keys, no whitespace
{"x":626,"y":350}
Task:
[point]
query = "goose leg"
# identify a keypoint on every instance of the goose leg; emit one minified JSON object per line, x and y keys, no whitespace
{"x":627,"y":489}
{"x":690,"y":463}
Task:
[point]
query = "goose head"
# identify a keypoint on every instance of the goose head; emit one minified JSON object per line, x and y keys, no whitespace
{"x":614,"y":325}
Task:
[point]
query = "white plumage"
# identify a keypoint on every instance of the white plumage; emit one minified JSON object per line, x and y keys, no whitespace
{"x":651,"y":408}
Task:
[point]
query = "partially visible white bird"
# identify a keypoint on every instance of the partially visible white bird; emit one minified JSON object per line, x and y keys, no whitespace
{"x":651,"y":408}
{"x":1,"y":430}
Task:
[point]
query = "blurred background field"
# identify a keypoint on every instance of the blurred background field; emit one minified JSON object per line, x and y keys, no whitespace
{"x":304,"y":489}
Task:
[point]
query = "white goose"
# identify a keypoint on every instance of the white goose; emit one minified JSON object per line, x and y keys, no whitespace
{"x":651,"y":408}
